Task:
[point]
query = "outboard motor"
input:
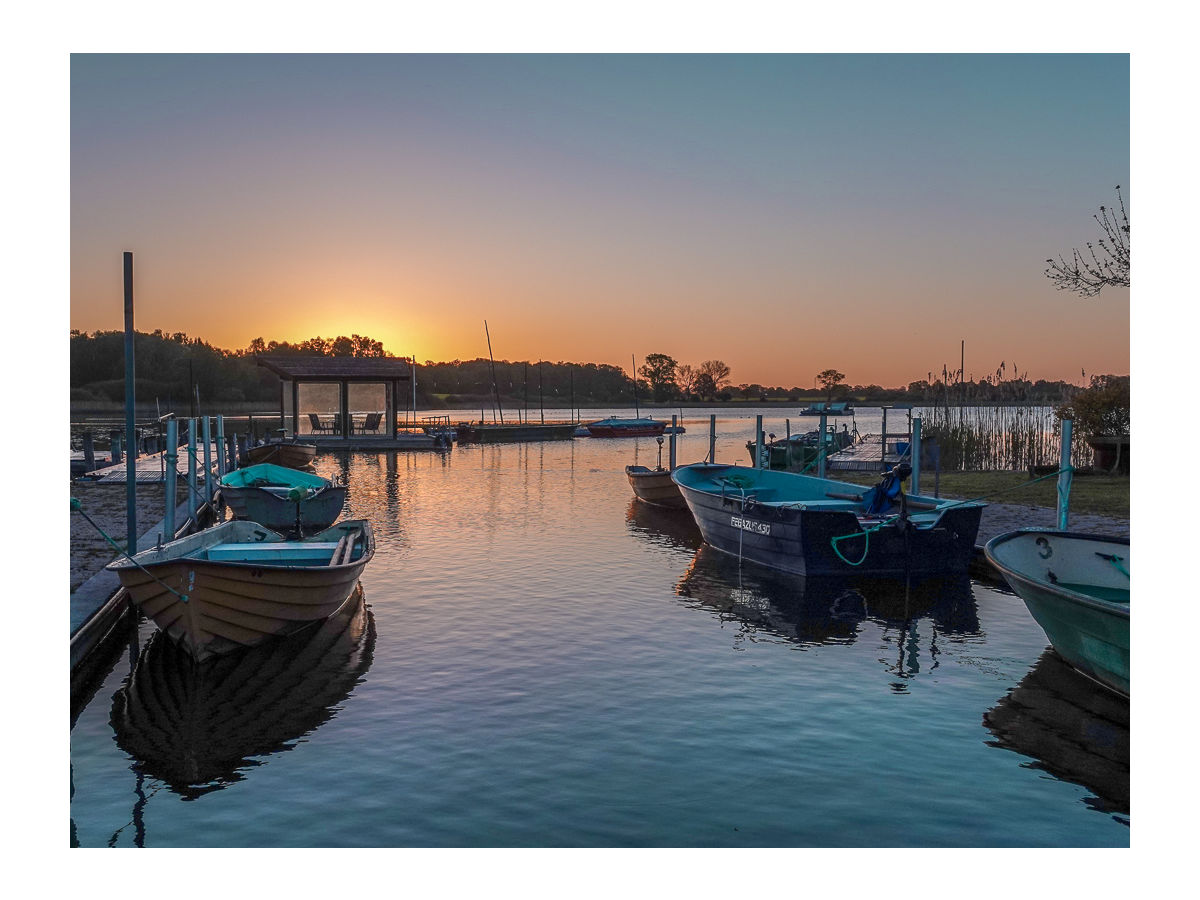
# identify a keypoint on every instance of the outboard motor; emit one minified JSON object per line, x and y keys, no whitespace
{"x":890,"y":488}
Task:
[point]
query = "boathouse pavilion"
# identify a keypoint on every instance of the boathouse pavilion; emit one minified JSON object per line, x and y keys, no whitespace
{"x":343,"y":401}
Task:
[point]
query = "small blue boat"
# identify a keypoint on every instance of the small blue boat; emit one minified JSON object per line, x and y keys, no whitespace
{"x":818,"y":526}
{"x":1076,"y":587}
{"x":278,"y":497}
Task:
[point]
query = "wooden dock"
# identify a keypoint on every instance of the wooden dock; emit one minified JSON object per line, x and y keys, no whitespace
{"x":152,"y":467}
{"x":867,"y":455}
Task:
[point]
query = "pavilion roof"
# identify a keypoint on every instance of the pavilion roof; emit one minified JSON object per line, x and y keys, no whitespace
{"x":354,"y":368}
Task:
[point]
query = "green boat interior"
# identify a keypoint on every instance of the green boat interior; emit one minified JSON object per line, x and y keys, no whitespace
{"x":271,"y":475}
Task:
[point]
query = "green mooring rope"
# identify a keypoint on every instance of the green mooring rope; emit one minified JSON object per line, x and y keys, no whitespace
{"x":77,"y":506}
{"x":866,"y":532}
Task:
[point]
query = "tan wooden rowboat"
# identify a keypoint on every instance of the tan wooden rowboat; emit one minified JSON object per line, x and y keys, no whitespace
{"x":295,"y":456}
{"x":238,"y":584}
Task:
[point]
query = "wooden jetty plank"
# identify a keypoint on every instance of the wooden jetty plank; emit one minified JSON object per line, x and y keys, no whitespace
{"x":150,"y":468}
{"x":865,"y":456}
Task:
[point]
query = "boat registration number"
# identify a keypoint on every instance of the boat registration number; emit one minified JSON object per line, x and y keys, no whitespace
{"x":750,"y":525}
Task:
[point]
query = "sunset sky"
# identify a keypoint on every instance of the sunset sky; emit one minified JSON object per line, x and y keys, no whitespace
{"x":783,"y":213}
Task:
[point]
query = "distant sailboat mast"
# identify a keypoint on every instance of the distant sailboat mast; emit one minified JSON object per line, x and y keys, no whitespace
{"x":636,"y":412}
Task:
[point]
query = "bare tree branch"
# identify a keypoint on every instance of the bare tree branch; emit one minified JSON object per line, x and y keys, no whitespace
{"x":1109,"y":268}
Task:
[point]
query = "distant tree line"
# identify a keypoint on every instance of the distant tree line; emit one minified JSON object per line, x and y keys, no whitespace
{"x":173,"y":369}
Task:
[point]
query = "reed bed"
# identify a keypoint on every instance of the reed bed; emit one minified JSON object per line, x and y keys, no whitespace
{"x":990,"y":426}
{"x":998,"y":438}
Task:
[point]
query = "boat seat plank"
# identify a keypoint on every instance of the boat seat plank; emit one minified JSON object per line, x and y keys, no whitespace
{"x":272,"y":550}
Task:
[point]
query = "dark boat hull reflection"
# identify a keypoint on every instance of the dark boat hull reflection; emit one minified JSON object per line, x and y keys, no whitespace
{"x":824,"y":610}
{"x":663,"y":526}
{"x":1076,"y":730}
{"x":198,"y":726}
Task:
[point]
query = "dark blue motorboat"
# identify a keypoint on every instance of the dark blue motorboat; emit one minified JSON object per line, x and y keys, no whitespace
{"x":818,"y":526}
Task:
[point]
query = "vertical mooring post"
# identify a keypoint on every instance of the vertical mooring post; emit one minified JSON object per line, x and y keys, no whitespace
{"x":915,"y":450}
{"x":758,"y":442}
{"x":822,"y":449}
{"x":883,"y":444}
{"x":191,"y":471}
{"x":674,"y":428}
{"x":171,"y":477}
{"x":221,"y":449}
{"x":89,"y":451}
{"x":206,"y":436}
{"x":712,"y":438}
{"x":130,"y":424}
{"x":114,"y":442}
{"x":1064,"y":476}
{"x":231,"y":451}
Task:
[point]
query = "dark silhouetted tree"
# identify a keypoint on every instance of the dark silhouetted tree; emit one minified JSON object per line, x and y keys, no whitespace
{"x":659,"y":372}
{"x":829,"y":380}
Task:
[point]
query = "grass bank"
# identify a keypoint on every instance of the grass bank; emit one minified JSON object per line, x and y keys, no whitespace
{"x":1097,"y":495}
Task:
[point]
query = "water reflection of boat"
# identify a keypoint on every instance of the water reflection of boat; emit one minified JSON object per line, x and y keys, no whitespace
{"x":663,"y":526}
{"x":199,"y":726}
{"x":1075,"y":732}
{"x":824,"y":610}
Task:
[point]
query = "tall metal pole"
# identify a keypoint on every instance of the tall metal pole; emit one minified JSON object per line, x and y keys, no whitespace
{"x":637,"y":414}
{"x":541,"y":394}
{"x":206,"y":434}
{"x":758,"y":442}
{"x":220,"y":446}
{"x":1064,"y":477}
{"x":916,"y":455}
{"x":495,"y":386}
{"x":191,"y":471}
{"x":822,"y":448}
{"x":883,"y":444}
{"x":130,"y":424}
{"x":674,"y":430}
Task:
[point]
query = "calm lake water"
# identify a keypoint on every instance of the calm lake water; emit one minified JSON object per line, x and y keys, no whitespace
{"x":541,"y":661}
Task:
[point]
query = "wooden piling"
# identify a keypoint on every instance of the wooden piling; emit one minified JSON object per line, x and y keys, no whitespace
{"x":712,"y":438}
{"x":89,"y":451}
